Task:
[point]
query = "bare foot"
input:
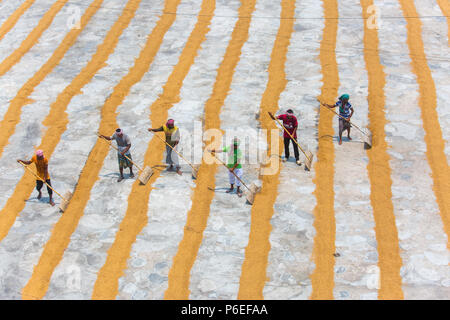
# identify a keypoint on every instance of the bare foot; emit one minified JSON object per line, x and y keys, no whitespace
{"x":230,"y":190}
{"x":40,"y":195}
{"x":340,"y":141}
{"x":51,"y":202}
{"x":179,"y":172}
{"x":120,"y":179}
{"x":349,"y":138}
{"x":132,"y":175}
{"x":239,"y":193}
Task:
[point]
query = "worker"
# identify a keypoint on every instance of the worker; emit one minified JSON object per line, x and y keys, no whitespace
{"x":41,"y":164}
{"x":290,"y":123}
{"x":172,"y":139}
{"x":346,"y":112}
{"x":123,"y":155}
{"x":234,"y":165}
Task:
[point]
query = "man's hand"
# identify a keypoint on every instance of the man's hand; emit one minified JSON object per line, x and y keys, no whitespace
{"x":19,"y":161}
{"x":150,"y":129}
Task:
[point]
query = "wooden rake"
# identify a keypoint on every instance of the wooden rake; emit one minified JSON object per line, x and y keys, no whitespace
{"x":145,"y":173}
{"x":308,"y":154}
{"x":65,"y":199}
{"x":367,"y":137}
{"x":194,"y":170}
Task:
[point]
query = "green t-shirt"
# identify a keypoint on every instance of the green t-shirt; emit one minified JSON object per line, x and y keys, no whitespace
{"x":234,"y":157}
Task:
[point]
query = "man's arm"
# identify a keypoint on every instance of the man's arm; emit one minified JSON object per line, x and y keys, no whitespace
{"x":295,"y":126}
{"x":105,"y":137}
{"x":24,"y":162}
{"x":156,"y":130}
{"x":215,"y":150}
{"x":176,"y":137}
{"x":126,"y":149}
{"x":238,"y":162}
{"x":275,"y":117}
{"x":351,"y":113}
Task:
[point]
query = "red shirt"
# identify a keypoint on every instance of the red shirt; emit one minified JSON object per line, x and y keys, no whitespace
{"x":289,"y":124}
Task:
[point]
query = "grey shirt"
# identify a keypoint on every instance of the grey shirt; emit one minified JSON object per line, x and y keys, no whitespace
{"x":122,"y":142}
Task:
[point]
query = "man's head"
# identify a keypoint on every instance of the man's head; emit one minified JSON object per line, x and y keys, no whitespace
{"x":39,"y":154}
{"x":289,"y":113}
{"x":344,"y":98}
{"x":235,"y":143}
{"x":119,"y":132}
{"x":170,"y":123}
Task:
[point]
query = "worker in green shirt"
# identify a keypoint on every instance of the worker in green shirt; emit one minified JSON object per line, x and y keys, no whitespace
{"x":234,"y":165}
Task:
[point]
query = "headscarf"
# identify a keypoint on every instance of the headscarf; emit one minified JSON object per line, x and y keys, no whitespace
{"x":344,"y":96}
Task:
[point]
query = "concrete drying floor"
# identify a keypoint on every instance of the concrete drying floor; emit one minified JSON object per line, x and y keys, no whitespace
{"x":362,"y":224}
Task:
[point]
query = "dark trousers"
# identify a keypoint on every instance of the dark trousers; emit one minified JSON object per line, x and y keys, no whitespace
{"x":40,"y":183}
{"x":286,"y":148}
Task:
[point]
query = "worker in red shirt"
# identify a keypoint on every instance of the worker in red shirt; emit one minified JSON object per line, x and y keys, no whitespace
{"x":291,"y":124}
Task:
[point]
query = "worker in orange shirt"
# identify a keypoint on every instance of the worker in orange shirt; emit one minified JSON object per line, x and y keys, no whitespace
{"x":41,"y":164}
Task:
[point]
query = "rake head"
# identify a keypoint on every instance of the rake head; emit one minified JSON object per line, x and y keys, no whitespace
{"x":65,"y":201}
{"x":255,"y":187}
{"x":368,"y":141}
{"x":309,"y":160}
{"x":145,"y":175}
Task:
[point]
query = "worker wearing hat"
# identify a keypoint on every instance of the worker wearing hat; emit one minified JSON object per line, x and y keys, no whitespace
{"x":123,"y":146}
{"x":172,"y":138}
{"x":41,"y":164}
{"x":345,"y":111}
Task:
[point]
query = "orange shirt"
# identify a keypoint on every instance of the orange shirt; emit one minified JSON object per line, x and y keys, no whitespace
{"x":40,"y":165}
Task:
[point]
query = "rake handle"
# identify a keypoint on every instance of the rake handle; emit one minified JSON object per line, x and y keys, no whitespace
{"x":343,"y":118}
{"x":223,"y":163}
{"x":279,"y":122}
{"x":39,"y":178}
{"x":176,"y":152}
{"x":109,"y":142}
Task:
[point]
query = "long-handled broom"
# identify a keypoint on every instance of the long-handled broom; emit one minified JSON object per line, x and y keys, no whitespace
{"x":145,"y":174}
{"x":308,"y":154}
{"x":65,"y":199}
{"x":367,"y":137}
{"x":251,"y":191}
{"x":194,"y":170}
